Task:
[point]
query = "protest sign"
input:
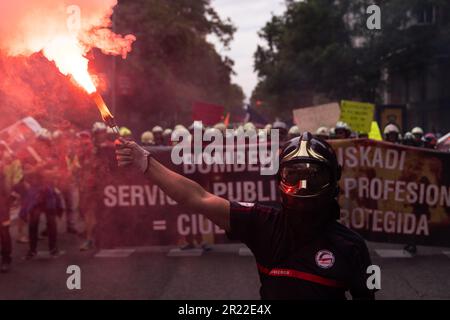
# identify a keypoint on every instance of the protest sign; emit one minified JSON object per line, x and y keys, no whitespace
{"x":20,"y":137}
{"x":208,"y":113}
{"x":375,"y":133}
{"x":312,"y":118}
{"x":358,"y":115}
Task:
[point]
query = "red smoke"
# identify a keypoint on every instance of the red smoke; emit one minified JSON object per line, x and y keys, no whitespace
{"x":64,"y":31}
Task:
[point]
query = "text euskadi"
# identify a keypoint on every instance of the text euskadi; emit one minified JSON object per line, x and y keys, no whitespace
{"x":230,"y":309}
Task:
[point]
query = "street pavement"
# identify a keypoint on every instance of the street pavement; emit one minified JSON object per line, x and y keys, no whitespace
{"x":225,"y":272}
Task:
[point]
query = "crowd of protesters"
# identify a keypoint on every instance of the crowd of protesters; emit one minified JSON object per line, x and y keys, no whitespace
{"x":63,"y":179}
{"x":415,"y":138}
{"x":59,"y":180}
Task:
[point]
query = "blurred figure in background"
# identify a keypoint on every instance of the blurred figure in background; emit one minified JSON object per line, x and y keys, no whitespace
{"x":282,"y":129}
{"x":93,"y":177}
{"x":221,"y":127}
{"x":391,"y":133}
{"x":293,"y":132}
{"x":15,"y":181}
{"x":267,"y":129}
{"x":196,"y":125}
{"x":408,"y":139}
{"x":68,"y":167}
{"x":249,"y":130}
{"x":89,"y":183}
{"x":167,"y":137}
{"x":99,"y":133}
{"x":363,"y":135}
{"x":342,"y":130}
{"x":147,"y":139}
{"x":157,"y":132}
{"x":104,"y":146}
{"x":262,"y":135}
{"x":332,"y":134}
{"x":323,"y":133}
{"x":125,"y":133}
{"x":5,"y":236}
{"x":42,"y":197}
{"x":417,"y":132}
{"x":179,"y":134}
{"x":239,"y":131}
{"x":111,"y":136}
{"x":429,"y":141}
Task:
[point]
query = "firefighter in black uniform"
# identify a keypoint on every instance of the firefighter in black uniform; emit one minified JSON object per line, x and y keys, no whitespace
{"x":301,"y":251}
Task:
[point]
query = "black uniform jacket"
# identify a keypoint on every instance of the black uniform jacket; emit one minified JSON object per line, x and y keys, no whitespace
{"x":334,"y":261}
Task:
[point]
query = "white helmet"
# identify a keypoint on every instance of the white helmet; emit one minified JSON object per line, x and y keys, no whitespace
{"x":167,"y":136}
{"x":99,"y":126}
{"x":279,"y":125}
{"x":417,"y":130}
{"x":179,"y":127}
{"x":180,"y":131}
{"x":323,"y":131}
{"x":110,"y":131}
{"x":294,"y":130}
{"x":391,"y":128}
{"x":167,"y":132}
{"x":249,"y":127}
{"x":342,"y":125}
{"x":147,"y":138}
{"x":239,"y":131}
{"x":211,"y":131}
{"x":157,"y":129}
{"x":57,"y":134}
{"x":221,"y":127}
{"x":262,"y":135}
{"x":196,"y":125}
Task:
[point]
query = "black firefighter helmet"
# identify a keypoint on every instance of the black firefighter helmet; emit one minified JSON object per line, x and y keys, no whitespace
{"x":308,"y":170}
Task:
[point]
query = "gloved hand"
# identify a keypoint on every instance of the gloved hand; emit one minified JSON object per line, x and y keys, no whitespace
{"x":129,"y":153}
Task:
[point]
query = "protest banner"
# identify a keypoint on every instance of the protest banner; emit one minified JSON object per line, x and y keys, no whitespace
{"x":392,"y":193}
{"x":135,"y":212}
{"x":312,"y":118}
{"x":358,"y":115}
{"x":389,"y":193}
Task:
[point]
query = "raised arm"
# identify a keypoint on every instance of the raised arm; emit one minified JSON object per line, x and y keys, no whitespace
{"x":187,"y":193}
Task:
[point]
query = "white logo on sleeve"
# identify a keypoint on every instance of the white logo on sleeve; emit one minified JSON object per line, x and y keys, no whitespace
{"x":324,"y":259}
{"x":247,"y":204}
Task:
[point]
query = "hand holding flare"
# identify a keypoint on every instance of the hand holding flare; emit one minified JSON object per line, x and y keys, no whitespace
{"x":129,"y":153}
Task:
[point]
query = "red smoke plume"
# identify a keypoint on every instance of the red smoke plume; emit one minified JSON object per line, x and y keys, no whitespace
{"x":64,"y":31}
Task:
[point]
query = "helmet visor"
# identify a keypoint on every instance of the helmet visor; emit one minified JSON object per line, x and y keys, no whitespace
{"x":305,"y":179}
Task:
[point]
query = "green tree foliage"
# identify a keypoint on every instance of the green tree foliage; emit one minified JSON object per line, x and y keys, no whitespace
{"x":172,"y":64}
{"x":323,"y":47}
